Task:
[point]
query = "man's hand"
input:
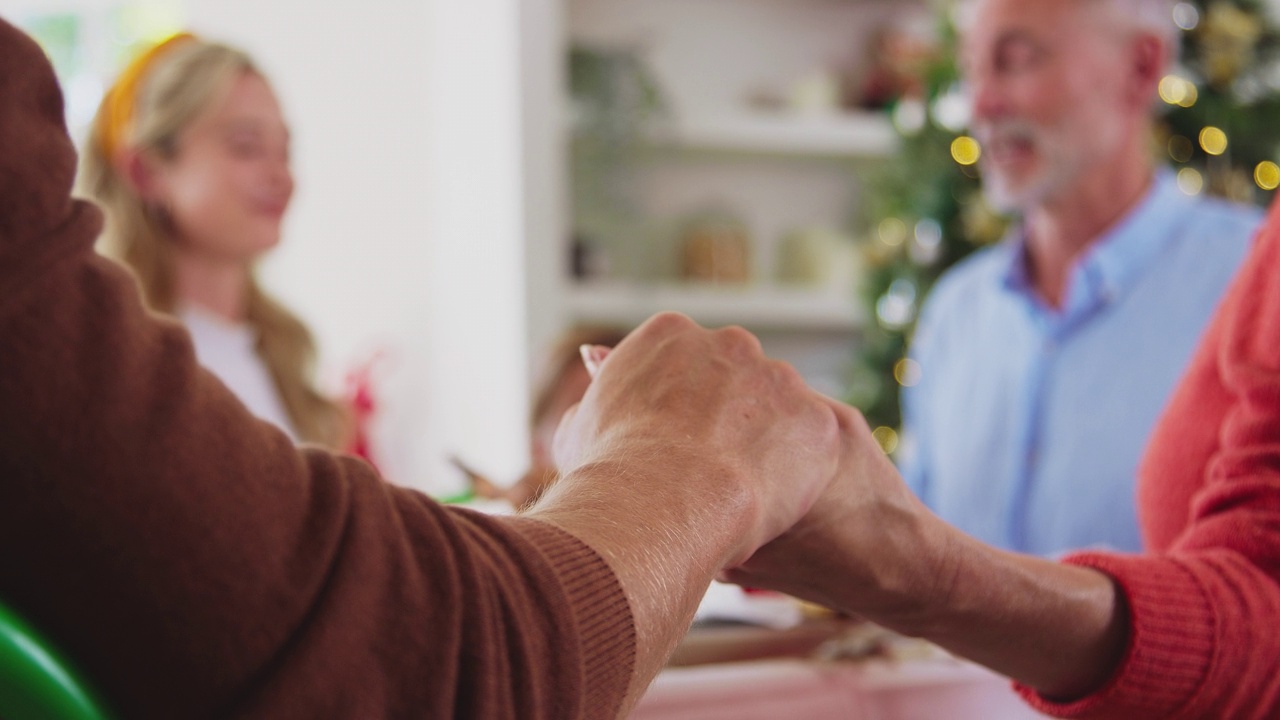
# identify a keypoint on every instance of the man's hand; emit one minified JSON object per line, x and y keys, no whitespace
{"x":868,"y":546}
{"x":689,"y":451}
{"x":708,"y":404}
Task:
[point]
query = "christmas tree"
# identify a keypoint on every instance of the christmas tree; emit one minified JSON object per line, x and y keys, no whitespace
{"x":1218,"y":128}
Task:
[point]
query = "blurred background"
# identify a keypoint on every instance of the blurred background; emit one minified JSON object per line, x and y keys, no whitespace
{"x":475,"y":179}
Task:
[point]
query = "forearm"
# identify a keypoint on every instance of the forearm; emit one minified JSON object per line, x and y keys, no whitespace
{"x":1057,"y":628}
{"x":664,"y":536}
{"x":885,"y":557}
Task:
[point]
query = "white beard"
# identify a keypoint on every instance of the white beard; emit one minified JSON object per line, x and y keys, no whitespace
{"x":1058,"y":166}
{"x":1064,"y":159}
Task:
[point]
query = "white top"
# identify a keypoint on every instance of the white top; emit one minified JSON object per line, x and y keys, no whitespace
{"x":228,"y":350}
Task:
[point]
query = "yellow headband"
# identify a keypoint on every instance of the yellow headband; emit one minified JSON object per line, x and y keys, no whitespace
{"x":116,"y":116}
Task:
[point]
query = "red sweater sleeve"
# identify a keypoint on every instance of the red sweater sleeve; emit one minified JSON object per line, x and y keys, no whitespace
{"x":193,"y":562}
{"x":1204,"y":601}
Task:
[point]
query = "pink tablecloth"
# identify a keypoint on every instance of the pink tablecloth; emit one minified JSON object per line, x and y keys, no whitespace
{"x":808,"y":690}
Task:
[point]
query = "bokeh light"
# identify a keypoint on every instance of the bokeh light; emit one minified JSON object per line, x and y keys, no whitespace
{"x":1213,"y":140}
{"x":907,"y":372}
{"x":1186,"y":16}
{"x":910,"y":116}
{"x":1267,"y":175}
{"x":893,"y":232}
{"x":1181,"y":148}
{"x":965,"y":150}
{"x":928,"y":245}
{"x":1190,"y":181}
{"x":1176,"y":90}
{"x":887,"y":437}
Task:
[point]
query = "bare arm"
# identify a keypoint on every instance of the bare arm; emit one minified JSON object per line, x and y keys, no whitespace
{"x":664,"y":554}
{"x":871,"y":548}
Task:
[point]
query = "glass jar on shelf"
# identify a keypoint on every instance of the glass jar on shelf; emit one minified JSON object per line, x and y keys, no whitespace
{"x":715,"y":247}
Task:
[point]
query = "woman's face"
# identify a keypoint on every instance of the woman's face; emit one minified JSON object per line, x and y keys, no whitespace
{"x":229,"y":184}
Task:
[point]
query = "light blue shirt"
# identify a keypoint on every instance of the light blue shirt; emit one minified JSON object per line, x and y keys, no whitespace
{"x":1028,"y":423}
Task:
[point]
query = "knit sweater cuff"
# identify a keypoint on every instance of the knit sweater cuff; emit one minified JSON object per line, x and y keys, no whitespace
{"x":600,"y":610}
{"x":1171,"y":642}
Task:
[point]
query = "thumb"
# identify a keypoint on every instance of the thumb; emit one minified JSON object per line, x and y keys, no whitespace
{"x":593,"y":356}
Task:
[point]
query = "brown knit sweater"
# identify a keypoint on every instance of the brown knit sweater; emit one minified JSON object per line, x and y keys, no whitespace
{"x":193,"y":562}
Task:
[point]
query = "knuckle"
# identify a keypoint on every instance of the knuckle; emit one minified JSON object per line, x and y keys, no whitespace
{"x":835,"y":425}
{"x":830,"y":420}
{"x":737,"y":340}
{"x":786,"y":375}
{"x":851,"y":419}
{"x":855,"y":417}
{"x":670,"y":321}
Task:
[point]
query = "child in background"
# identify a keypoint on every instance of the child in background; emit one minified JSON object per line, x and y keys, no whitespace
{"x":561,"y":383}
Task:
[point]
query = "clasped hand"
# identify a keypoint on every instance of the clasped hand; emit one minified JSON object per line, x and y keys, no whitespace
{"x":802,"y":470}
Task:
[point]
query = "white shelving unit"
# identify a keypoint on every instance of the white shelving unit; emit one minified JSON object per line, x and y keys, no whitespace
{"x":763,"y":308}
{"x":777,"y":170}
{"x":852,"y":135}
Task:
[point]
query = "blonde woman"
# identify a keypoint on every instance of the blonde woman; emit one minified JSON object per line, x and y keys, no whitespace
{"x":189,"y":157}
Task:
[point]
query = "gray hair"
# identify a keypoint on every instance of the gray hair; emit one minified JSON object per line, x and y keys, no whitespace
{"x":1153,"y":16}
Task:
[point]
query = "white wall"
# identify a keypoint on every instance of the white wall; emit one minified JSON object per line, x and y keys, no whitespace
{"x":545,"y":169}
{"x":478,"y":295}
{"x":406,"y":233}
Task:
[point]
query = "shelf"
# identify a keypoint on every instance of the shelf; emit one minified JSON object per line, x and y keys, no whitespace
{"x":753,"y":307}
{"x":846,"y":135}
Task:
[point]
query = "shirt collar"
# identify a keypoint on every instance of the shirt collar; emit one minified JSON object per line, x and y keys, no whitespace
{"x":1116,"y":261}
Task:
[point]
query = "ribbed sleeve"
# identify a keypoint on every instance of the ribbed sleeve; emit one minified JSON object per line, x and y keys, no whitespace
{"x":1171,"y":646}
{"x":603,"y":618}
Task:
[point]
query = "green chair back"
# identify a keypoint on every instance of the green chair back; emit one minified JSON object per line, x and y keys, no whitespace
{"x":36,"y":683}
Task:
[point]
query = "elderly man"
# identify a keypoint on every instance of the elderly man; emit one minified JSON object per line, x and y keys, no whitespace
{"x":1047,"y":359}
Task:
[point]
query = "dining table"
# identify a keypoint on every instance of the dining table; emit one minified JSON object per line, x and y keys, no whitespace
{"x":822,"y":669}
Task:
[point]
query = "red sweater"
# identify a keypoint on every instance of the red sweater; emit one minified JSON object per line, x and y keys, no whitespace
{"x":193,"y":562}
{"x":1205,"y":598}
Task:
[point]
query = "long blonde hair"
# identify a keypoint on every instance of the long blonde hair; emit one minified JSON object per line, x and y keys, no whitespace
{"x":178,"y":88}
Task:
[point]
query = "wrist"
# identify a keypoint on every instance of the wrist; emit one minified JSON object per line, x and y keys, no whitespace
{"x":664,"y":528}
{"x":1059,"y":629}
{"x":681,"y":504}
{"x":912,"y":573}
{"x":919,"y":591}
